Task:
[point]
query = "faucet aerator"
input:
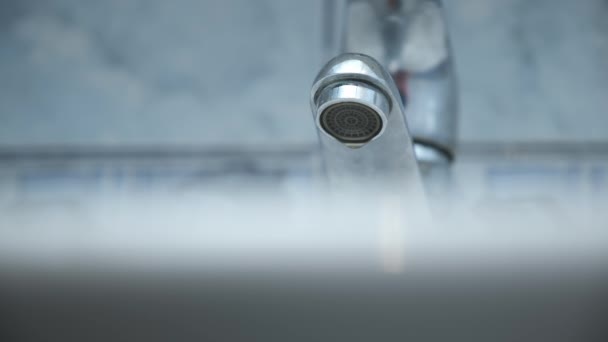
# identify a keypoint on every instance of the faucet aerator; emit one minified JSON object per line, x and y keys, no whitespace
{"x":352,"y":112}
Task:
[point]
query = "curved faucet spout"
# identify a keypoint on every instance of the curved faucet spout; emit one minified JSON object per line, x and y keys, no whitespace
{"x":366,"y":146}
{"x":361,"y":120}
{"x":409,"y":38}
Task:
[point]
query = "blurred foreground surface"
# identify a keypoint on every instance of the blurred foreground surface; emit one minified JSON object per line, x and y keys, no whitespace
{"x":250,"y":245}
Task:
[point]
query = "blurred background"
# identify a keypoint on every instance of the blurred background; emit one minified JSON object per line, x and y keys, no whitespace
{"x":132,"y":72}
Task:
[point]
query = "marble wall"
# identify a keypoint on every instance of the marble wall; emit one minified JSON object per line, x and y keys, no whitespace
{"x":186,"y":72}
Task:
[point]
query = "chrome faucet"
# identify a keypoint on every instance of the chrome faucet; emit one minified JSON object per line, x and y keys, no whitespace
{"x":387,"y":103}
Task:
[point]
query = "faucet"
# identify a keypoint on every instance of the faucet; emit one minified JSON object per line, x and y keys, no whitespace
{"x":385,"y":105}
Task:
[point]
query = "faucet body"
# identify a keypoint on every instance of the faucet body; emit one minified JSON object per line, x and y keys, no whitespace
{"x":409,"y":39}
{"x":367,"y":150}
{"x":388,"y":155}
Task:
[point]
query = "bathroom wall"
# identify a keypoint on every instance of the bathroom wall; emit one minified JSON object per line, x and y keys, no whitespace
{"x":185,"y":72}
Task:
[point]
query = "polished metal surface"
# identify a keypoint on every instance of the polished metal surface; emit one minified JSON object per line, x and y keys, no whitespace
{"x":379,"y":166}
{"x":410,"y":39}
{"x":388,"y":156}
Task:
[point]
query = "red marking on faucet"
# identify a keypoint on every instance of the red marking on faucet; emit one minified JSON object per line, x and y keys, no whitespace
{"x":401,"y":77}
